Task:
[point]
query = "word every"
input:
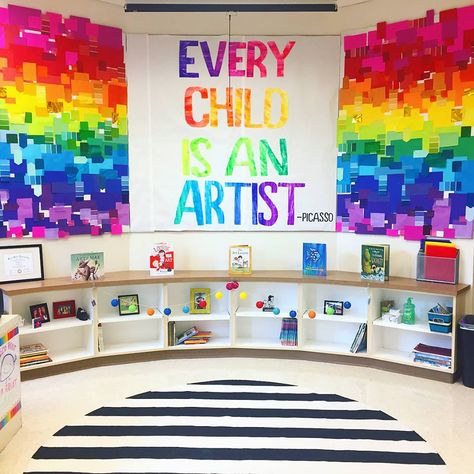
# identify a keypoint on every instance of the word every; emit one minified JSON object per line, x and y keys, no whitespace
{"x":252,"y":53}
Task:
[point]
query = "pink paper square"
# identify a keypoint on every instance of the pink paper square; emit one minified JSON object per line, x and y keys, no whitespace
{"x":38,"y":232}
{"x":116,"y":229}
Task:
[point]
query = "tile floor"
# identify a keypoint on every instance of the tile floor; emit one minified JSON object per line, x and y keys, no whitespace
{"x":443,"y":414}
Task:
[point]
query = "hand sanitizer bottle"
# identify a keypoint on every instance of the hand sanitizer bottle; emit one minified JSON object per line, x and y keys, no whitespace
{"x":409,"y":312}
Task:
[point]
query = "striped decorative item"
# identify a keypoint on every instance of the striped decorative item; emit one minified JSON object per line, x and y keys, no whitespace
{"x":236,"y":426}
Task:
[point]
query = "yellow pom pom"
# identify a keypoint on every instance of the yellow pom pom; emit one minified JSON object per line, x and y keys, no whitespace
{"x":243,"y":295}
{"x":219,"y":295}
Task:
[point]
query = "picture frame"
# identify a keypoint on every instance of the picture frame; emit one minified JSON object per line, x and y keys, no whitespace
{"x":128,"y":304}
{"x":199,"y":296}
{"x":36,"y":323}
{"x":21,"y":263}
{"x":240,"y":260}
{"x":338,"y":307}
{"x":40,"y":311}
{"x":64,"y":309}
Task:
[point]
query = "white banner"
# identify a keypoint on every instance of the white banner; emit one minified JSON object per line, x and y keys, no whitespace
{"x":237,"y":135}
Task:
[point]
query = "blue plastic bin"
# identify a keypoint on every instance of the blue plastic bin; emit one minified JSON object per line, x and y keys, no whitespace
{"x":440,"y":327}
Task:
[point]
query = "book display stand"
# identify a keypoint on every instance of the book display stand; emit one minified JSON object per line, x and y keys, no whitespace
{"x":235,"y":321}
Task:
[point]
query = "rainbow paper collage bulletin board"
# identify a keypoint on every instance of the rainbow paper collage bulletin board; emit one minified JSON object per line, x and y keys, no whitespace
{"x":405,"y":138}
{"x":63,"y":126}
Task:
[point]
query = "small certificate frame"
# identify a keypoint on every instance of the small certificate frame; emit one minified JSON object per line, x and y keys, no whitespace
{"x":21,"y":263}
{"x":240,"y":260}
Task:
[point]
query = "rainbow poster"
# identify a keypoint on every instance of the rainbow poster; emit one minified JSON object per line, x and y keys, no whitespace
{"x":63,"y":126}
{"x":405,"y":128}
{"x":240,"y":132}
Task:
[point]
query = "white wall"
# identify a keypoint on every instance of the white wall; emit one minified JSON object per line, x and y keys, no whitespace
{"x":271,"y":250}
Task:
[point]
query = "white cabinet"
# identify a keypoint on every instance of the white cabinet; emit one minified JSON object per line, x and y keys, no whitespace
{"x":234,"y":318}
{"x":130,"y":333}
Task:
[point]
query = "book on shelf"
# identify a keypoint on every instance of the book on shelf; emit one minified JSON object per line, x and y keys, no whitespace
{"x":161,"y":259}
{"x":432,"y":355}
{"x":171,"y":333}
{"x":87,"y":266}
{"x":32,"y":349}
{"x":100,"y":337}
{"x":186,"y":335}
{"x":289,"y":332}
{"x":28,"y":362}
{"x":191,"y":341}
{"x":359,"y":344}
{"x":375,"y":262}
{"x":314,"y":259}
{"x":33,"y":354}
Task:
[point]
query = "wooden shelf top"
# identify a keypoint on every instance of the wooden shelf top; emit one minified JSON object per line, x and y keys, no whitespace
{"x":279,"y":276}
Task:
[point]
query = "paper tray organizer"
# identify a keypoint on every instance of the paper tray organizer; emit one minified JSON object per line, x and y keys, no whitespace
{"x":437,"y":269}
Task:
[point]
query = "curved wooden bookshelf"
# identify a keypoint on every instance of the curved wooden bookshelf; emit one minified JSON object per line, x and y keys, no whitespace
{"x":278,"y":276}
{"x":327,"y":338}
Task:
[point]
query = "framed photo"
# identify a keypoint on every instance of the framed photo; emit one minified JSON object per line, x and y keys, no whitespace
{"x":40,"y":311}
{"x":200,"y":301}
{"x":64,"y":309}
{"x":240,"y":260}
{"x":335,"y":307}
{"x":128,"y":304}
{"x":21,"y":263}
{"x":36,"y":323}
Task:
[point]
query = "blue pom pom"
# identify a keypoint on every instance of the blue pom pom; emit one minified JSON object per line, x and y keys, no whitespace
{"x":185,"y":309}
{"x":347,"y":304}
{"x":114,"y":302}
{"x":292,"y":313}
{"x":167,"y":311}
{"x":276,"y":310}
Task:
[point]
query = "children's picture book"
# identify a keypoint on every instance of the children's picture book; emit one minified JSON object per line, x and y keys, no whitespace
{"x":375,"y":262}
{"x":240,"y":259}
{"x":162,"y":259}
{"x":87,"y":266}
{"x":314,"y":259}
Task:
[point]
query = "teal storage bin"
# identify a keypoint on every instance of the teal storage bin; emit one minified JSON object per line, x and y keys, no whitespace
{"x":440,"y":317}
{"x":440,"y":327}
{"x":440,"y":322}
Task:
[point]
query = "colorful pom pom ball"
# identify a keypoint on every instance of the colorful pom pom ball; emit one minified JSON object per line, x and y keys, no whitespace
{"x":347,"y":304}
{"x":311,"y":314}
{"x":202,"y":304}
{"x":114,"y":302}
{"x":185,"y":309}
{"x":292,"y":313}
{"x":243,"y":295}
{"x":132,"y":308}
{"x":167,"y":311}
{"x":229,"y":286}
{"x":235,"y":284}
{"x":150,"y":311}
{"x":259,"y":304}
{"x":330,"y":311}
{"x":276,"y":311}
{"x":219,"y":295}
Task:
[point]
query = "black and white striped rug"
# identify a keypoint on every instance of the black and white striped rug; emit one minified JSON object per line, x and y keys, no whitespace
{"x":236,"y":426}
